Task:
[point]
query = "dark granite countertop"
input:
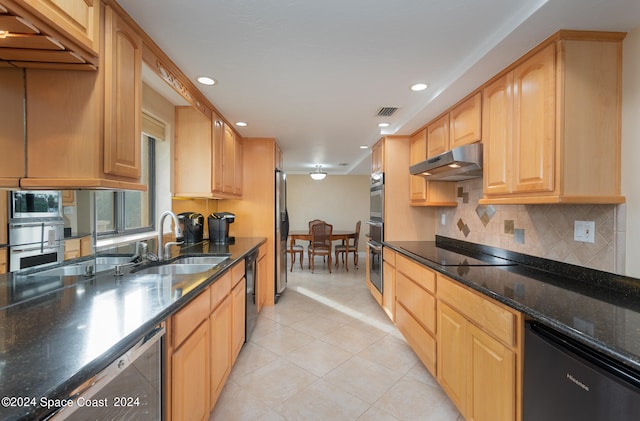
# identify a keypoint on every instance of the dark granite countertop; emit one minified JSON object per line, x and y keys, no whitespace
{"x":599,"y":309}
{"x":58,"y":331}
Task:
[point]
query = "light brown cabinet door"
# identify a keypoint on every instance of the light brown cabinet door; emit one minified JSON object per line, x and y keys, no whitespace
{"x":534,"y":123}
{"x":3,"y":260}
{"x":466,"y":122}
{"x":261,"y":279}
{"x":497,"y":116}
{"x":452,"y":355}
{"x":79,"y":19}
{"x":237,"y":176}
{"x":192,"y":153}
{"x":190,"y":377}
{"x":12,"y":134}
{"x":238,"y":308}
{"x":389,"y":289}
{"x":492,"y":377}
{"x":438,"y":136}
{"x":418,"y":153}
{"x":123,"y":98}
{"x":217,"y":157}
{"x":220,"y":334}
{"x":228,"y":164}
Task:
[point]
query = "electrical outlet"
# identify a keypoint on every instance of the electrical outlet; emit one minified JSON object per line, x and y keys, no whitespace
{"x":443,"y":219}
{"x":584,"y":231}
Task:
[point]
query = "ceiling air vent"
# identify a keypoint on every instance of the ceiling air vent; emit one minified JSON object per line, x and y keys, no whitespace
{"x":387,"y":111}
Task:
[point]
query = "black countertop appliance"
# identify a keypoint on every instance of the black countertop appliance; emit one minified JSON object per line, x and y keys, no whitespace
{"x":192,"y":225}
{"x":219,"y":227}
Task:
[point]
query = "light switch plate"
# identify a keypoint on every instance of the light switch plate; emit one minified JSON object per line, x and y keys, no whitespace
{"x":584,"y":231}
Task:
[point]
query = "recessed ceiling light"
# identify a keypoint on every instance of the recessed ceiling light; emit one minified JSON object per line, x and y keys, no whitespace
{"x":364,"y":147}
{"x":383,"y":124}
{"x":205,"y":80}
{"x":241,"y":124}
{"x":419,"y":87}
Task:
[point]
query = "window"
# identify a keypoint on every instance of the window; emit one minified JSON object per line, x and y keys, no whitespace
{"x":128,"y":212}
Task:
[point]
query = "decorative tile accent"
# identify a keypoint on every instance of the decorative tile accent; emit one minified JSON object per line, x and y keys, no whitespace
{"x":549,"y":229}
{"x":518,"y":236}
{"x":508,"y":226}
{"x":484,"y":214}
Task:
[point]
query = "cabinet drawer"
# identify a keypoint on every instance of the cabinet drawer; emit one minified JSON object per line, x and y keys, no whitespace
{"x":220,"y":289}
{"x":423,"y":344}
{"x":421,"y":275}
{"x":389,"y":257}
{"x":237,"y":273}
{"x":488,"y":315}
{"x":189,"y":318}
{"x":417,"y":301}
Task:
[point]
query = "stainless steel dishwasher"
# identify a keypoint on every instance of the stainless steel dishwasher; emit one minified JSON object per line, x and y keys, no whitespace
{"x":566,"y":380}
{"x":130,"y":388}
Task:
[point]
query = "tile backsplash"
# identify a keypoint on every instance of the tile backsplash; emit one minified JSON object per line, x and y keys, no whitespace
{"x":545,"y":231}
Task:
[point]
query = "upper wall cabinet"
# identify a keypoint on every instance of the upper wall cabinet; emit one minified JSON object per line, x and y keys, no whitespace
{"x":421,"y":191}
{"x":551,"y":123}
{"x":459,"y":126}
{"x":208,"y":156}
{"x":83,"y":128}
{"x":12,"y":159}
{"x":51,"y":34}
{"x":122,"y":98}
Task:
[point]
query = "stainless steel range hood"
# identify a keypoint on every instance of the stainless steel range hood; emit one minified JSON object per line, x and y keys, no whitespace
{"x":462,"y":163}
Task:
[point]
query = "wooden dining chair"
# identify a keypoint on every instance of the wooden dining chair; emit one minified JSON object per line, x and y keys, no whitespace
{"x":294,"y":249}
{"x":341,"y":249}
{"x":320,"y":243}
{"x":311,"y":223}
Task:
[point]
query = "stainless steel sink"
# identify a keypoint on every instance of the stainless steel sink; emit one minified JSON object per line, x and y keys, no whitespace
{"x":201,"y":260}
{"x":112,"y":260}
{"x":70,"y":270}
{"x":176,"y":269}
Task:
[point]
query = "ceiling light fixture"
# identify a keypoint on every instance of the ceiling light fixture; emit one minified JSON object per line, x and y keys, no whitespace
{"x":383,"y":124}
{"x":241,"y":124}
{"x":205,"y":80}
{"x":317,"y":174}
{"x":364,"y":147}
{"x":419,"y":87}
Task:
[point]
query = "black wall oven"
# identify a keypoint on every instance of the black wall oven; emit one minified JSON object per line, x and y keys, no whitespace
{"x":376,"y":206}
{"x":376,"y":230}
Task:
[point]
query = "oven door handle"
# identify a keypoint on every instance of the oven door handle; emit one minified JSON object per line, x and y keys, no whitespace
{"x":376,"y":247}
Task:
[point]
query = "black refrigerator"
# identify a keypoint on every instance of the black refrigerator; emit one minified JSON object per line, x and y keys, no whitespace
{"x":281,"y":234}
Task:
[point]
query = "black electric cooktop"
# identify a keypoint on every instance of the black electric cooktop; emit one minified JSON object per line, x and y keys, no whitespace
{"x":450,"y":257}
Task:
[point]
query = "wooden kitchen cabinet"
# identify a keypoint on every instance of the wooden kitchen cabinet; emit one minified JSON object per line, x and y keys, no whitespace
{"x":220,"y":354}
{"x":479,"y":348}
{"x":389,"y":282}
{"x":4,"y":217}
{"x":58,"y":34}
{"x":438,"y":136}
{"x":416,"y":308}
{"x":465,"y":122}
{"x":100,"y":141}
{"x":261,"y":281}
{"x":12,"y":135}
{"x":190,"y":376}
{"x":4,"y":260}
{"x":122,"y":98}
{"x":423,"y":192}
{"x":208,"y":161}
{"x":238,"y":309}
{"x":71,"y":248}
{"x":551,"y":123}
{"x":377,"y":157}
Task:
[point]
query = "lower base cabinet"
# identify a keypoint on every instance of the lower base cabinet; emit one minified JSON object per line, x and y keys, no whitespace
{"x":204,"y":338}
{"x":190,"y":377}
{"x":478,"y":345}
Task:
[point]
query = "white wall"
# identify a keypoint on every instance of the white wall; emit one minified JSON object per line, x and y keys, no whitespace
{"x":631,"y":149}
{"x":340,"y":200}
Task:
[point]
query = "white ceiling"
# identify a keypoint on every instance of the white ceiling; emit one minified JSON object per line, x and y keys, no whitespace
{"x":313,"y":74}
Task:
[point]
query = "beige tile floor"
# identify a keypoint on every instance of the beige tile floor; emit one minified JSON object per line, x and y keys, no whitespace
{"x":327,"y":351}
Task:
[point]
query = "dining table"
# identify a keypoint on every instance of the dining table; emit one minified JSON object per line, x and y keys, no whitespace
{"x":342,"y":235}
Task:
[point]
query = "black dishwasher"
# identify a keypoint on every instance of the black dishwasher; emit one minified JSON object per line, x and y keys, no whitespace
{"x":566,"y":380}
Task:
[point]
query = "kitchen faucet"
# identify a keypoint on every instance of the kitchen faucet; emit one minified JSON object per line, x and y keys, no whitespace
{"x":164,"y":254}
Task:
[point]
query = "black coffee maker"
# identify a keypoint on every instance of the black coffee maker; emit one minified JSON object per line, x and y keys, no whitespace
{"x":192,"y":225}
{"x":219,"y":227}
